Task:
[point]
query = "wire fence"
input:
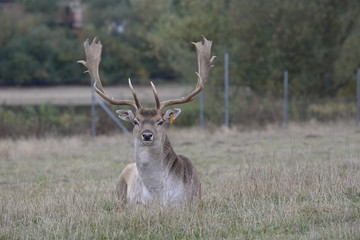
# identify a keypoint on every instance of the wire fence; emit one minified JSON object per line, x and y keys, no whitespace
{"x":259,"y":110}
{"x":247,"y":109}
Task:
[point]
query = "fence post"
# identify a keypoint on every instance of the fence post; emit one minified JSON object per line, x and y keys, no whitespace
{"x":285,"y":110}
{"x":226,"y":90}
{"x":113,"y":117}
{"x":358,"y":95}
{"x":94,"y":100}
{"x":201,"y":101}
{"x":93,"y":113}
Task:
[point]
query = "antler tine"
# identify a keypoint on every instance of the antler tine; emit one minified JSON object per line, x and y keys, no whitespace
{"x":157,"y":100}
{"x":138,"y":106}
{"x":205,"y":63}
{"x":93,"y":58}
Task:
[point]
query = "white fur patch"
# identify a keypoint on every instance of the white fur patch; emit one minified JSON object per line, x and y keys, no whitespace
{"x":152,"y":181}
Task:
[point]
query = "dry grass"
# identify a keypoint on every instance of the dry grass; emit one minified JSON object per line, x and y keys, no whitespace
{"x":81,"y":95}
{"x":300,"y":183}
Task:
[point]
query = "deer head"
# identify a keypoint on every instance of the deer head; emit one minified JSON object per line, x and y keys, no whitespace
{"x":148,"y":122}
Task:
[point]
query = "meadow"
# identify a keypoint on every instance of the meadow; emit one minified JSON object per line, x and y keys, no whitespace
{"x":302,"y":182}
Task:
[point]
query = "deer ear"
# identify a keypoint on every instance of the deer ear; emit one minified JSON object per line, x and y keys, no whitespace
{"x":171,"y":115}
{"x":126,"y":115}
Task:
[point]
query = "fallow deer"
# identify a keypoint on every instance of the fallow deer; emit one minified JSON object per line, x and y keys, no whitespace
{"x":159,"y":175}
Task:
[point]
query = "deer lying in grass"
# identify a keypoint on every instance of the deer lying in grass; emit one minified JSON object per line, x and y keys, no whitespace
{"x":159,"y":175}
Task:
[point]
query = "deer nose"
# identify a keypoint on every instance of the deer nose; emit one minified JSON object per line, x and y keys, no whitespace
{"x":147,"y":136}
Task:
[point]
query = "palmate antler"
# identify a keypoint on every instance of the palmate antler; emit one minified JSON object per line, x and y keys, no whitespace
{"x":93,"y":58}
{"x":205,"y":63}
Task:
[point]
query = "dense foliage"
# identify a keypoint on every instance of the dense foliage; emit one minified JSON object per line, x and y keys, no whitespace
{"x":316,"y":41}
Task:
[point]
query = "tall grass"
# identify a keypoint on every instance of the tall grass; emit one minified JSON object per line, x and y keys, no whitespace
{"x":299,"y":183}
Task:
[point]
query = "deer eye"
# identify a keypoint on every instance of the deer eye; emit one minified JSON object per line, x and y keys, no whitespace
{"x":136,"y":122}
{"x":160,"y":122}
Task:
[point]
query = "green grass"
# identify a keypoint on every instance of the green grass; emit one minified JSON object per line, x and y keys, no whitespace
{"x":299,"y":183}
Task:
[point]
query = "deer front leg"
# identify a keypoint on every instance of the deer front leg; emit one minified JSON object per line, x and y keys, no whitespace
{"x":127,"y":187}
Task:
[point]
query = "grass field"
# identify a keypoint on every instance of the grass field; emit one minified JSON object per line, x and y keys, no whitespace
{"x":299,"y":183}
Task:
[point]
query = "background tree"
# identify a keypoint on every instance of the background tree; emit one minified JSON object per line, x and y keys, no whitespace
{"x":34,"y":49}
{"x":316,"y":41}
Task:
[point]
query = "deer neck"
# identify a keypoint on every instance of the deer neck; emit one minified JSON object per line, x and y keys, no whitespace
{"x":153,"y":163}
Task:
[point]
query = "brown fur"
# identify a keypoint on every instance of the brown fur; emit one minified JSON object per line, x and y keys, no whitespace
{"x":148,"y":112}
{"x":124,"y":179}
{"x":182,"y":167}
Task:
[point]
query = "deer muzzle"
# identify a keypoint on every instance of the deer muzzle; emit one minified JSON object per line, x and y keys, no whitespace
{"x":147,"y":137}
